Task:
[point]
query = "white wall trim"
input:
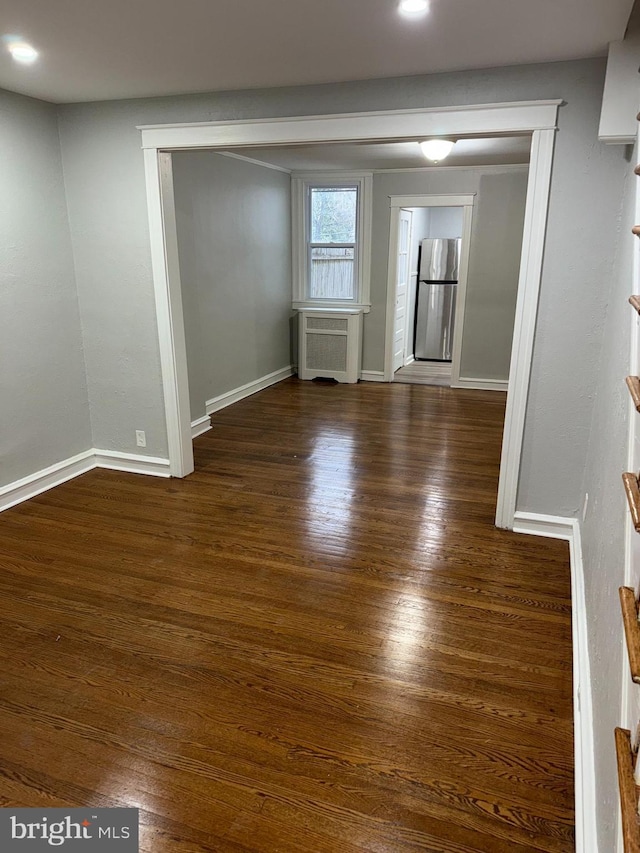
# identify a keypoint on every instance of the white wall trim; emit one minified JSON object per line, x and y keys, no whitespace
{"x":557,"y":527}
{"x":461,"y":300}
{"x":426,"y":200}
{"x":534,"y":233}
{"x":253,"y":161}
{"x":132,"y":463}
{"x":506,"y":118}
{"x":200,"y":426}
{"x":551,"y":526}
{"x":48,"y":478}
{"x":300,"y":305}
{"x":372,"y":376}
{"x":231,"y":397}
{"x":482,"y":384}
{"x":168,"y":298}
{"x":41,"y":481}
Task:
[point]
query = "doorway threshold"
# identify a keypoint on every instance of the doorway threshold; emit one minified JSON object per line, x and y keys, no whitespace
{"x":425,"y":373}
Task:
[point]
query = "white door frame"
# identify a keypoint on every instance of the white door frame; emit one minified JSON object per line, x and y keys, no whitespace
{"x":396,"y":203}
{"x":536,"y":117}
{"x":407,"y":272}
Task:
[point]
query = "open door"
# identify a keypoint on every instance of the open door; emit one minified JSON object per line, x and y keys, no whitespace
{"x":402,"y":289}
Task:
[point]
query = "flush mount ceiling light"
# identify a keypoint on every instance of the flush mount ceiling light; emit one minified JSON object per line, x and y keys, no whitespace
{"x":23,"y":52}
{"x":413,"y":8}
{"x":437,"y":149}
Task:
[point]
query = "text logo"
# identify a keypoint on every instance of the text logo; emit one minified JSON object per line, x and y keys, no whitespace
{"x":73,"y":830}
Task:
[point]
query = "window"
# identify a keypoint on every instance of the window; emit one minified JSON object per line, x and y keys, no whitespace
{"x":333,"y":213}
{"x":331,"y":224}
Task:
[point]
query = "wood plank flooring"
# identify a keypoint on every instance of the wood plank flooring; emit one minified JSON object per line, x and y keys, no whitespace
{"x":318,"y":642}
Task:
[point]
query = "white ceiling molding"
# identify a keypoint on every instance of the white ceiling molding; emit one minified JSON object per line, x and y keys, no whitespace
{"x":255,"y":162}
{"x":492,"y":167}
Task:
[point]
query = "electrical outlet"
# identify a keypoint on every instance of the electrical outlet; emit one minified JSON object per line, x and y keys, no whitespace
{"x":585,"y":504}
{"x":141,"y":438}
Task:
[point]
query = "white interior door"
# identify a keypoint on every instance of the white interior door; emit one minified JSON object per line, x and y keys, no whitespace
{"x":402,"y":289}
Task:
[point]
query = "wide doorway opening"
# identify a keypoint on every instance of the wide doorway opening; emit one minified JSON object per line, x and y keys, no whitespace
{"x":536,"y":118}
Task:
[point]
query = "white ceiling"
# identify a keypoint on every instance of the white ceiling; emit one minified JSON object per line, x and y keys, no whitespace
{"x":134,"y":48}
{"x":390,"y":155}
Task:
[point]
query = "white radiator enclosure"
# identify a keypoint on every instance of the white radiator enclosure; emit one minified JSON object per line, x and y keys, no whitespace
{"x":330,"y":343}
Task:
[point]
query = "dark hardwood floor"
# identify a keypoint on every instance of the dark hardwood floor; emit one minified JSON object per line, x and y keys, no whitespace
{"x":317,"y":642}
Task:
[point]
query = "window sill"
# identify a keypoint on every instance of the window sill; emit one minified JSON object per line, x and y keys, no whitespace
{"x":333,"y":305}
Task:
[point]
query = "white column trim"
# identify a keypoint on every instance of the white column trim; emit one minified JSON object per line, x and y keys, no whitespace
{"x":168,"y":298}
{"x":461,"y":300}
{"x":535,"y":226}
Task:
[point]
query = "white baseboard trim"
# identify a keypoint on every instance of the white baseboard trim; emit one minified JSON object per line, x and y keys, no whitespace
{"x":155,"y":466}
{"x":557,"y":527}
{"x":200,"y":426}
{"x":41,"y":481}
{"x":372,"y":376}
{"x":551,"y":526}
{"x":482,"y":384}
{"x":231,"y":397}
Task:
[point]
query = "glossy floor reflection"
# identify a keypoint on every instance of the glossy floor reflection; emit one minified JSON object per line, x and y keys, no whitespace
{"x":318,"y":642}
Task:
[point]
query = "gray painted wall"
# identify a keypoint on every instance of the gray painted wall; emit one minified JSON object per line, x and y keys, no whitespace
{"x":234,"y":241}
{"x":603,"y":530}
{"x":446,"y":222}
{"x":494,"y":267}
{"x":494,"y":259}
{"x":420,"y":223}
{"x":107,"y":207}
{"x":44,"y":415}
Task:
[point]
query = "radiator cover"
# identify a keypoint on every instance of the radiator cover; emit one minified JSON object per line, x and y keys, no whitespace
{"x":330,"y":343}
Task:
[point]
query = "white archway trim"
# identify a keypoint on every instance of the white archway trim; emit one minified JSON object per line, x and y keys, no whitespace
{"x":169,"y":316}
{"x":535,"y":227}
{"x":517,"y":117}
{"x":536,"y":117}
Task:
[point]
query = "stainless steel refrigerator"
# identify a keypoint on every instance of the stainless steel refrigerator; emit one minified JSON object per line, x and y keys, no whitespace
{"x":436,"y":299}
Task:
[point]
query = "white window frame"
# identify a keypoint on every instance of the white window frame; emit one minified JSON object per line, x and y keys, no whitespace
{"x":301,"y":185}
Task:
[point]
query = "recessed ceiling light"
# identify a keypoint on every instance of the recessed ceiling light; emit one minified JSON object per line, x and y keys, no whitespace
{"x":413,"y":8}
{"x":437,"y":149}
{"x":23,"y":52}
